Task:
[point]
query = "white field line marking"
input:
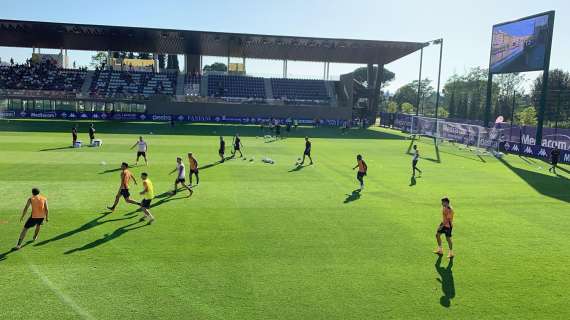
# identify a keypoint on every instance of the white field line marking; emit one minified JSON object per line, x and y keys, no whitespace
{"x":62,"y":296}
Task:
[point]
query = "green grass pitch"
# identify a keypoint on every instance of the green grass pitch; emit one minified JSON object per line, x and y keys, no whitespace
{"x":262,"y":241}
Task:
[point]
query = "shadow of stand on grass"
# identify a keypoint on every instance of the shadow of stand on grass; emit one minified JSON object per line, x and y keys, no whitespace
{"x":551,"y":186}
{"x":446,"y":280}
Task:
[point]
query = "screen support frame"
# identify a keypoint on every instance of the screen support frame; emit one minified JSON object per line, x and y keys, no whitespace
{"x":545,"y":71}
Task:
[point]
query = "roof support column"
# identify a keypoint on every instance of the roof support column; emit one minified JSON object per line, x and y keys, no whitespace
{"x":379,"y":81}
{"x":371,"y":80}
{"x":285,"y":69}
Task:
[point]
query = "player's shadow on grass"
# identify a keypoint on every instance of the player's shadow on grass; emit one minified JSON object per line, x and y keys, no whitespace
{"x":551,"y":186}
{"x":163,"y":198}
{"x":298,"y":167}
{"x":117,"y":169}
{"x":562,"y":169}
{"x":355,"y":195}
{"x":55,"y":149}
{"x":447,"y":282}
{"x":89,"y":225}
{"x":413,"y":181}
{"x":110,"y":236}
{"x":110,"y":171}
{"x":210,"y":165}
{"x":3,"y":256}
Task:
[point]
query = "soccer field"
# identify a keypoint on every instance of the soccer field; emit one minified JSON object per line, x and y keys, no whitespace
{"x":266,"y":241}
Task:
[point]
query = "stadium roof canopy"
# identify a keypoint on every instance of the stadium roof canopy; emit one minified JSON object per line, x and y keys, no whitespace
{"x":33,"y":34}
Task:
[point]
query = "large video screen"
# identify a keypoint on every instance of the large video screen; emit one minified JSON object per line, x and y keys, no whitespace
{"x":521,"y":45}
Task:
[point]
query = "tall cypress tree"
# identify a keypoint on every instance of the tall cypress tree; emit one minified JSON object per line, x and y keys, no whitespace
{"x":452,"y":105}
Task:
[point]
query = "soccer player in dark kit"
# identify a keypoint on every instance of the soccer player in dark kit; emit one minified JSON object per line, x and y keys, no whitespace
{"x":554,"y":157}
{"x":307,"y":152}
{"x":222,"y":149}
{"x":74,"y":136}
{"x":91,"y":134}
{"x":237,"y":146}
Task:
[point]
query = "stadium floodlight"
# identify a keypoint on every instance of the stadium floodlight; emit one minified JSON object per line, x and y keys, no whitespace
{"x":440,"y":42}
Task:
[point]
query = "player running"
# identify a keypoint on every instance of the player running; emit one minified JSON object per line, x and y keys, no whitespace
{"x":91,"y":134}
{"x":362,"y":169}
{"x":148,"y":195}
{"x":193,"y":168}
{"x":415,"y":160}
{"x":180,"y":176}
{"x":126,"y":177}
{"x":74,"y":136}
{"x":222,"y":149}
{"x":445,"y":227}
{"x":554,"y":157}
{"x":141,"y":150}
{"x":307,"y":152}
{"x":237,"y":146}
{"x":40,"y":212}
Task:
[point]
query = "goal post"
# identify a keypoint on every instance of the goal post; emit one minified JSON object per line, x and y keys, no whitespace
{"x":474,"y":138}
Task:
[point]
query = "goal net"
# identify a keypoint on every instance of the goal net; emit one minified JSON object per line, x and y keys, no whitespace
{"x":465,"y":136}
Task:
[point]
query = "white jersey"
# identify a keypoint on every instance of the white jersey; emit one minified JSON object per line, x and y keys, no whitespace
{"x":416,"y":155}
{"x":142,"y":146}
{"x":181,"y":171}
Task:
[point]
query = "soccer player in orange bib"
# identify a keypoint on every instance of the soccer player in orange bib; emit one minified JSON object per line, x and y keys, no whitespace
{"x":193,"y":168}
{"x":39,"y":213}
{"x":126,"y":177}
{"x":445,"y":227}
{"x":362,"y":169}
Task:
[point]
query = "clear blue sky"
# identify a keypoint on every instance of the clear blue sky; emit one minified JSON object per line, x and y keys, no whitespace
{"x":465,"y":25}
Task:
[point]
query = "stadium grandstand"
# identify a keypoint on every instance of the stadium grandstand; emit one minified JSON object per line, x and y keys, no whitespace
{"x":49,"y":85}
